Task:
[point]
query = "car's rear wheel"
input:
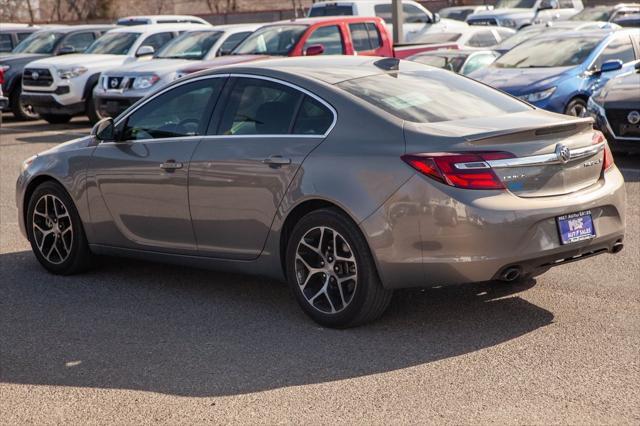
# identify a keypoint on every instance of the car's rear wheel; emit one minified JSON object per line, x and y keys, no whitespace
{"x":21,"y":110}
{"x":55,"y":230}
{"x":56,"y":118}
{"x":332,"y":273}
{"x":577,"y":107}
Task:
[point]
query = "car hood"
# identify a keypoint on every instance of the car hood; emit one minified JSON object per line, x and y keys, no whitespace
{"x":20,"y":57}
{"x":507,"y":11}
{"x":518,"y":81}
{"x":72,"y":145}
{"x":80,"y":59}
{"x":623,"y":92}
{"x":157,"y":66}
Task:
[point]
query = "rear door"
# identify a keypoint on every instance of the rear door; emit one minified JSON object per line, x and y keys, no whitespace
{"x":260,"y":135}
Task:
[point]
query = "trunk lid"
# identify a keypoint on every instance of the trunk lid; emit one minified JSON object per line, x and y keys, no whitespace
{"x":553,"y":155}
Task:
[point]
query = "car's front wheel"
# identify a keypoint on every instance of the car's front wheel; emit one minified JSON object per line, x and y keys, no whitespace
{"x":55,"y":230}
{"x":332,"y":273}
{"x":577,"y":107}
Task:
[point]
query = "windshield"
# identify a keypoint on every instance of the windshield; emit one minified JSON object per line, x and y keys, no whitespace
{"x":521,"y":36}
{"x":273,"y":40}
{"x":39,"y":42}
{"x":449,"y":62}
{"x":602,"y":13}
{"x":524,"y":4}
{"x":113,"y":44}
{"x":192,"y":45}
{"x":431,"y":95}
{"x":554,"y":52}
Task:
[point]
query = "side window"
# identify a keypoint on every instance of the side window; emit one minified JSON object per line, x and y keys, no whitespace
{"x":313,"y":118}
{"x":183,"y":111}
{"x":374,"y":35}
{"x":360,"y":37}
{"x":329,"y":37}
{"x":478,"y":61}
{"x":482,"y":39}
{"x":383,"y":11}
{"x":79,"y":41}
{"x":414,"y":15}
{"x":157,"y":40}
{"x":259,"y":107}
{"x":6,"y":45}
{"x":22,"y":36}
{"x":620,"y":48}
{"x":232,"y":41}
{"x":565,"y":4}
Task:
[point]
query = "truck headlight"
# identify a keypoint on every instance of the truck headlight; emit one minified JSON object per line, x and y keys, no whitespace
{"x":538,"y":96}
{"x":509,"y":23}
{"x":145,"y":81}
{"x":67,"y":73}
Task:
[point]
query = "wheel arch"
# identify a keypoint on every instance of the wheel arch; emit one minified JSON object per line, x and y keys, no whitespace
{"x":578,"y":95}
{"x":89,"y":85}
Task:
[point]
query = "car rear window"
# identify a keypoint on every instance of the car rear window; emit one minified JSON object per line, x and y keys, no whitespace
{"x":431,"y":96}
{"x":331,"y":10}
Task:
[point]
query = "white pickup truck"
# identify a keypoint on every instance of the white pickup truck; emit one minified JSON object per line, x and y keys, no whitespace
{"x":417,"y":21}
{"x":61,"y":87}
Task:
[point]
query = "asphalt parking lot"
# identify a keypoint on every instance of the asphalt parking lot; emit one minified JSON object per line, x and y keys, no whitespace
{"x":133,"y":342}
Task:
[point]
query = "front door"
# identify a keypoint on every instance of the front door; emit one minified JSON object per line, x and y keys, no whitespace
{"x":142,"y":177}
{"x":240,"y":173}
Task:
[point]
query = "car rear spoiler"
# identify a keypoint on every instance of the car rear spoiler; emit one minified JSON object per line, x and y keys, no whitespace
{"x":568,"y":126}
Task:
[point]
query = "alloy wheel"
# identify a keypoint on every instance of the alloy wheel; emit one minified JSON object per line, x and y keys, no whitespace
{"x":326,"y":270}
{"x":577,"y":110}
{"x":52,"y":229}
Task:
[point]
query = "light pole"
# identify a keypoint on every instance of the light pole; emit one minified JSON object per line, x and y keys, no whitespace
{"x":397,"y":18}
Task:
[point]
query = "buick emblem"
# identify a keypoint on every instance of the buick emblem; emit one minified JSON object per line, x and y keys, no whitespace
{"x":563,"y":153}
{"x":633,"y":117}
{"x":35,"y":75}
{"x":113,"y":83}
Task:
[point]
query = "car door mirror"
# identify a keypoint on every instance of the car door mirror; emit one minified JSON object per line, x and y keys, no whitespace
{"x":104,"y":130}
{"x":637,"y":67}
{"x":66,"y":50}
{"x":547,"y":5}
{"x":314,"y":49}
{"x":613,"y":65}
{"x":436,"y":18}
{"x":145,"y":50}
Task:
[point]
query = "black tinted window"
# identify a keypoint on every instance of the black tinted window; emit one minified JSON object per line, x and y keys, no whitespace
{"x":331,"y":10}
{"x":79,"y":41}
{"x":329,"y":37}
{"x":313,"y":118}
{"x":22,"y":36}
{"x":6,"y":45}
{"x":181,"y":111}
{"x":619,"y":49}
{"x":431,"y":95}
{"x":259,"y":107}
{"x":360,"y":37}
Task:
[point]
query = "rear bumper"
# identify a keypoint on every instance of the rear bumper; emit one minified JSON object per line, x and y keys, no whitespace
{"x":429,"y":234}
{"x":47,"y":104}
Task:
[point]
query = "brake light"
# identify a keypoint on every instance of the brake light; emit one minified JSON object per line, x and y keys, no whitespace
{"x":1,"y":75}
{"x":607,"y":156}
{"x":468,"y":170}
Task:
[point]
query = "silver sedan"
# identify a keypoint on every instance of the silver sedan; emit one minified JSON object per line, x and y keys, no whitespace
{"x":348,"y":177}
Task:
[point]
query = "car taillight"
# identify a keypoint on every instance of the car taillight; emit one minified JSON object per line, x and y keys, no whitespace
{"x":468,"y":170}
{"x":607,"y":156}
{"x":1,"y":76}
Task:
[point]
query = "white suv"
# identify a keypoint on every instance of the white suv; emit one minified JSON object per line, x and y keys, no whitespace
{"x":417,"y":21}
{"x":61,"y":87}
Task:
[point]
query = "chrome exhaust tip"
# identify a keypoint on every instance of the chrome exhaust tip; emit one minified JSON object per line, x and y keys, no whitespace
{"x":617,"y":247}
{"x":510,"y":274}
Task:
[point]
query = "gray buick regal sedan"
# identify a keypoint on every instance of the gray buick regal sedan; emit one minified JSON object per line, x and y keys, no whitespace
{"x":348,"y":177}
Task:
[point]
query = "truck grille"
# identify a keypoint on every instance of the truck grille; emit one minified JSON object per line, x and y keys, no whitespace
{"x":37,"y":77}
{"x":620,"y":125}
{"x":482,"y":21}
{"x":114,"y":82}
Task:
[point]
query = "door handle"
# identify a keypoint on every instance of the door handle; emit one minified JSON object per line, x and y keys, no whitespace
{"x":170,"y":165}
{"x":277,"y":160}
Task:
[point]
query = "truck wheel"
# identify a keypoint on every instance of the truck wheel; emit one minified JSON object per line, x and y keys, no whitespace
{"x":56,"y":118}
{"x":20,"y":110}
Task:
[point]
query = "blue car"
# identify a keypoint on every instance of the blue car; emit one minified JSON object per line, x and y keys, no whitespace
{"x":559,"y":72}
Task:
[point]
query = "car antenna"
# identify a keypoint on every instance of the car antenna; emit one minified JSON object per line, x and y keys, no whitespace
{"x":388,"y":64}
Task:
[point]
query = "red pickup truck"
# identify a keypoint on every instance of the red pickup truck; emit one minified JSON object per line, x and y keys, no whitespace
{"x":335,"y":35}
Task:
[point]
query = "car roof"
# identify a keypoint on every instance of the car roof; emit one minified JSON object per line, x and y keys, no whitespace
{"x":142,"y":17}
{"x":156,"y":28}
{"x":330,"y":69}
{"x":325,"y":20}
{"x":17,"y":27}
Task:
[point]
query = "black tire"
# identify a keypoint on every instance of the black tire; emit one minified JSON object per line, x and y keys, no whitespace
{"x":20,"y":111}
{"x":74,"y":246}
{"x":56,"y":118}
{"x":577,"y":107}
{"x":92,"y":111}
{"x":368,"y":300}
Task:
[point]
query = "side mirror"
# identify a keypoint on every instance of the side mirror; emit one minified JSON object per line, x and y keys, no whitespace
{"x":314,"y":49}
{"x":104,"y":130}
{"x":145,"y":50}
{"x":613,"y":65}
{"x":436,"y":18}
{"x":547,"y":5}
{"x":637,"y":67}
{"x":66,"y":50}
